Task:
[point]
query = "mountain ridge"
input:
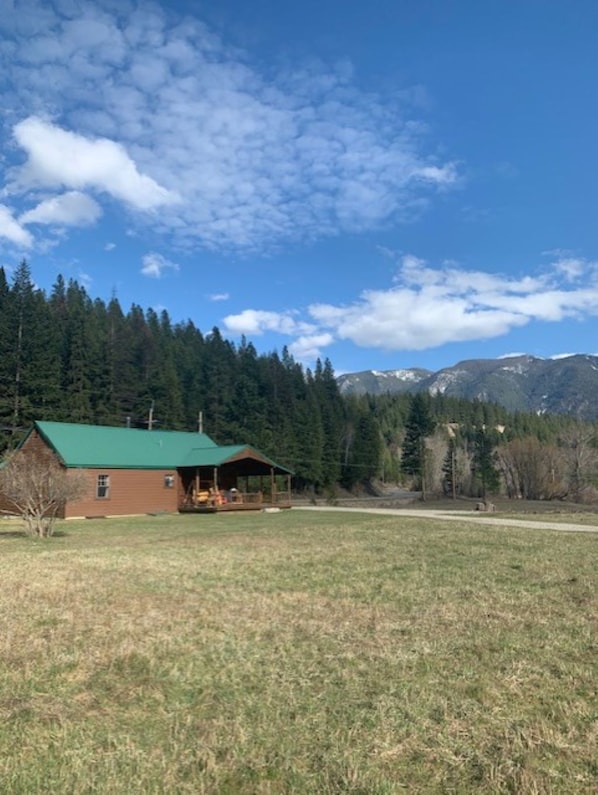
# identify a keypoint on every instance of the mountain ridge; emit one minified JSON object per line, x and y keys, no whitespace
{"x":564,"y":385}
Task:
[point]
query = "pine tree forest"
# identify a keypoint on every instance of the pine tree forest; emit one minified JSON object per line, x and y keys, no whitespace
{"x":67,"y":357}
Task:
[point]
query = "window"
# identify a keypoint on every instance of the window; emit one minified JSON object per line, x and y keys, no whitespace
{"x":103,"y":487}
{"x":168,"y":481}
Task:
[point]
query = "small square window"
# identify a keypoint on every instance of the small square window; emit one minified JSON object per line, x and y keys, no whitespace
{"x":168,"y":481}
{"x":103,"y":487}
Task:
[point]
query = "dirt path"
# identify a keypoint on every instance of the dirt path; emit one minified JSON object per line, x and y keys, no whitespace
{"x":462,"y":516}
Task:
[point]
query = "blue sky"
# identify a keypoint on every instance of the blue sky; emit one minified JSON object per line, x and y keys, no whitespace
{"x":391,"y":184}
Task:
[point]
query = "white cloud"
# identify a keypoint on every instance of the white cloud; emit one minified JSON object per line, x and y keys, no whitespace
{"x":571,"y":267}
{"x":109,"y":246}
{"x":257,"y":322}
{"x":149,"y":107}
{"x":58,"y":157}
{"x":428,"y":307}
{"x":439,"y":175}
{"x":11,"y":229}
{"x":219,"y":297}
{"x":68,"y":209}
{"x":308,"y":348}
{"x":155,"y":264}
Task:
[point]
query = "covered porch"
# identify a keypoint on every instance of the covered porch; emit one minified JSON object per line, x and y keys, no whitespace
{"x":234,"y":478}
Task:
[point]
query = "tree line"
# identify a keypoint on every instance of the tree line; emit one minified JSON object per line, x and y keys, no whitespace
{"x":67,"y":357}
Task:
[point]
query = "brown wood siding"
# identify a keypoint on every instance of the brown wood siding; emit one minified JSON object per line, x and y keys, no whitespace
{"x":34,"y":446}
{"x":132,"y":491}
{"x":6,"y":506}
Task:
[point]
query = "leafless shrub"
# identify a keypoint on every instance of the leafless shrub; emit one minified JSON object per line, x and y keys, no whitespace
{"x":530,"y":470}
{"x":581,"y":459}
{"x":38,"y":487}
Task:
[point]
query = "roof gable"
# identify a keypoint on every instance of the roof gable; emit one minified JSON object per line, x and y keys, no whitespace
{"x":98,"y":446}
{"x":226,"y":454}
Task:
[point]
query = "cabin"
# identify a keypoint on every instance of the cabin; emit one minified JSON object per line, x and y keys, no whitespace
{"x":135,"y":471}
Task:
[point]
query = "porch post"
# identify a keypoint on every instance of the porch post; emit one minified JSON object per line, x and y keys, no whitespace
{"x":272,"y":487}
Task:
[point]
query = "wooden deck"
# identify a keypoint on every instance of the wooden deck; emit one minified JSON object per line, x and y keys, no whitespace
{"x":220,"y":502}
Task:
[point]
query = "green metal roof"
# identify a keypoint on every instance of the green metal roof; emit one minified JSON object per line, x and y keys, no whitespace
{"x":99,"y":446}
{"x":106,"y":447}
{"x":220,"y":455}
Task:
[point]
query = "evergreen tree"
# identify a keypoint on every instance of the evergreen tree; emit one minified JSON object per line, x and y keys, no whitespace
{"x":163,"y":385}
{"x":331,"y":410}
{"x":363,"y":460}
{"x":142,"y":355}
{"x":418,"y":426}
{"x":44,"y":386}
{"x":219,"y":370}
{"x":279,"y":400}
{"x":189,"y":352}
{"x":247,"y":411}
{"x":484,"y":462}
{"x":119,"y":376}
{"x":310,"y":461}
{"x":6,"y":373}
{"x":28,"y":368}
{"x":77,"y":356}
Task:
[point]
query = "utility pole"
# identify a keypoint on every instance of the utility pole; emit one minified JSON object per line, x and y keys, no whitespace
{"x":150,"y":421}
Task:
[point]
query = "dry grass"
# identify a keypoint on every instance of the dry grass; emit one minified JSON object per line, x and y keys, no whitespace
{"x":297,"y":653}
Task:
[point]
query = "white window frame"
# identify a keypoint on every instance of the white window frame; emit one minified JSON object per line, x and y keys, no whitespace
{"x":103,"y":487}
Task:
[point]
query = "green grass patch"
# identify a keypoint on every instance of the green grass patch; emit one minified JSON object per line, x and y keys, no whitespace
{"x":297,"y":652}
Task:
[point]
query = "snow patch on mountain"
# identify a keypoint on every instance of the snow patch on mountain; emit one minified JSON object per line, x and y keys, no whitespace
{"x":444,"y":380}
{"x":519,"y":369}
{"x":402,"y":375}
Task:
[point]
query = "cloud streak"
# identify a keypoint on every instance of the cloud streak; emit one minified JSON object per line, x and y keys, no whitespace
{"x":12,"y":231}
{"x":69,"y":209}
{"x":154,"y":265}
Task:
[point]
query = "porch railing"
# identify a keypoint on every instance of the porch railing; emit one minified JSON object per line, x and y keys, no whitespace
{"x":236,"y":500}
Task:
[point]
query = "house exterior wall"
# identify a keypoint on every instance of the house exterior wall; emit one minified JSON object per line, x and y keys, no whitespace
{"x":35,"y":447}
{"x":6,"y":506}
{"x":130,"y":491}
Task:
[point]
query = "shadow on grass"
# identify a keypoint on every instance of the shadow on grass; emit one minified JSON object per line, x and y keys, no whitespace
{"x":5,"y":535}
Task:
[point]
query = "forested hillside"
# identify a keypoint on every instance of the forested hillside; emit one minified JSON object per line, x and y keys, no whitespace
{"x":67,"y":357}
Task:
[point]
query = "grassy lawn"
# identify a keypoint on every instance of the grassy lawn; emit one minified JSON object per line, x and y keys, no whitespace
{"x":297,"y":652}
{"x":590,"y":519}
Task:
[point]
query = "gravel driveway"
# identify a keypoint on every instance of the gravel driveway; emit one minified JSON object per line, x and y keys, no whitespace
{"x":461,"y":516}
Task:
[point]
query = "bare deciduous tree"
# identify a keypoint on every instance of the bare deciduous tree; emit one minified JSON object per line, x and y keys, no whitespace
{"x":531,"y":470}
{"x":581,"y":459}
{"x":38,"y":487}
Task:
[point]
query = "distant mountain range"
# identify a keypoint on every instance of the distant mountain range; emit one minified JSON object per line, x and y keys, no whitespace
{"x":567,"y":385}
